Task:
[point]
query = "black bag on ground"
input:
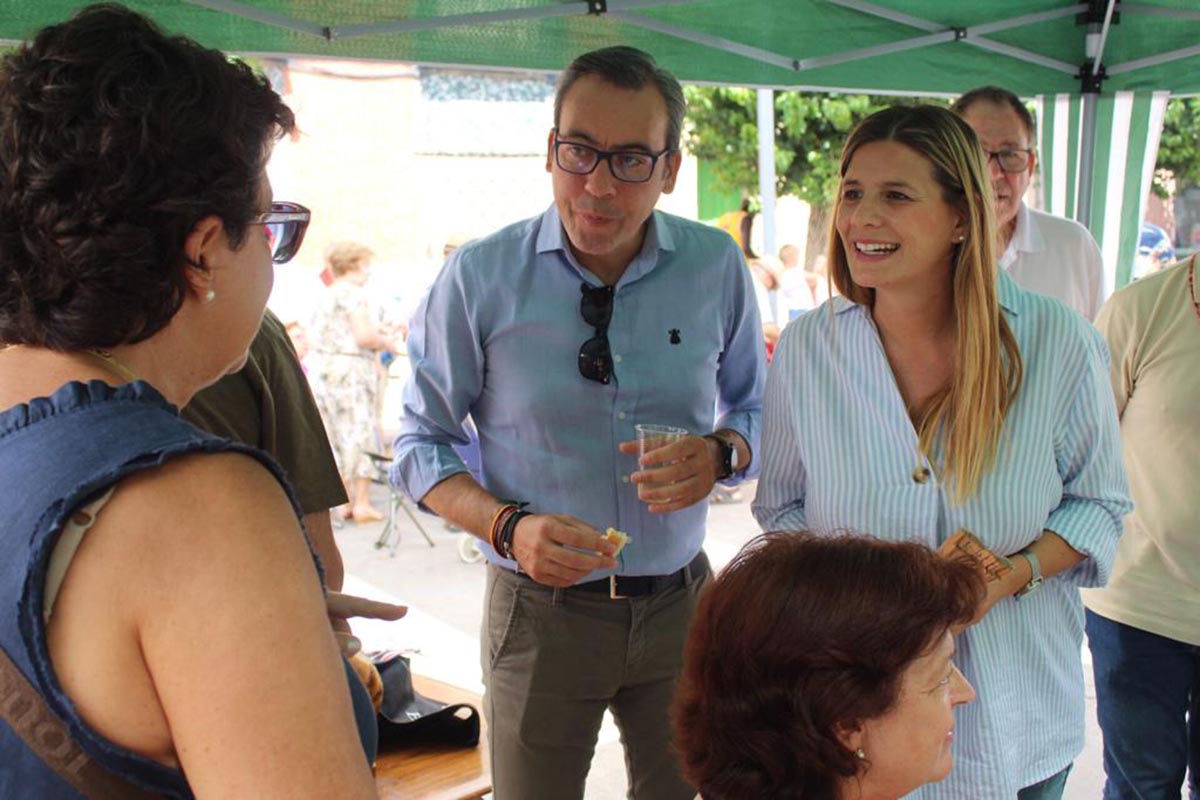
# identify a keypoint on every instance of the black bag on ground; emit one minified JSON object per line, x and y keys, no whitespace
{"x":409,"y":718}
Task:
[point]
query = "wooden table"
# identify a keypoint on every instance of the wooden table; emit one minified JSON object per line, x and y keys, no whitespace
{"x":436,"y":773}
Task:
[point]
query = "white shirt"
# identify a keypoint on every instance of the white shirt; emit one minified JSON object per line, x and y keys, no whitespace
{"x":1057,"y":257}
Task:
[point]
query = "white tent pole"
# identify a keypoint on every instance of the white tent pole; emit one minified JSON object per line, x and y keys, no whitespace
{"x":1154,"y":61}
{"x":974,"y":35}
{"x":263,"y":16}
{"x":1087,"y":159}
{"x":766,"y":166}
{"x":1098,"y":57}
{"x":489,"y":17}
{"x":696,"y":37}
{"x":1158,"y":11}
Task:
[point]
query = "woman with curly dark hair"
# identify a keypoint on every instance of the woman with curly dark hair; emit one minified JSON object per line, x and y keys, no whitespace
{"x":162,"y":625}
{"x":819,"y":669}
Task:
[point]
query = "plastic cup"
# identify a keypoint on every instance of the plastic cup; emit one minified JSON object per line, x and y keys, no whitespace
{"x":651,"y":438}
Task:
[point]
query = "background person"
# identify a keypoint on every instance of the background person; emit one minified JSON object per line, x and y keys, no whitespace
{"x":347,"y":344}
{"x":1043,"y":253}
{"x":939,"y":396}
{"x":144,"y":555}
{"x":820,"y":668}
{"x":1144,"y":627}
{"x":557,"y":335}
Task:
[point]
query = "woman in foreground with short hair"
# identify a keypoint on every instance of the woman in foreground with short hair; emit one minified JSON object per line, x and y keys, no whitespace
{"x":160,"y":601}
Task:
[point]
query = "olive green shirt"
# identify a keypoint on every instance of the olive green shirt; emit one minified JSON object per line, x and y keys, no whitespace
{"x":269,"y":405}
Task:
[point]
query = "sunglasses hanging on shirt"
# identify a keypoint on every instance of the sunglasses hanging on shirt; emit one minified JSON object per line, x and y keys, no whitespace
{"x":595,"y":356}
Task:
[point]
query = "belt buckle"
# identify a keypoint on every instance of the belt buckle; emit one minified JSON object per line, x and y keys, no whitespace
{"x":612,"y":589}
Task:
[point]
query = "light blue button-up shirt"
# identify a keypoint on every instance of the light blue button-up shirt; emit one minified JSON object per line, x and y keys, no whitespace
{"x":839,"y":453}
{"x":498,"y":337}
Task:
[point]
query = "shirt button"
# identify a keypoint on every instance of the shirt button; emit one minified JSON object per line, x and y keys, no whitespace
{"x":620,"y":415}
{"x":616,"y":359}
{"x":624,"y":479}
{"x":920,"y":474}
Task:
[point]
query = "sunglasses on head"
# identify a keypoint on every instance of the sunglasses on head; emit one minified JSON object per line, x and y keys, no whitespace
{"x":286,"y":224}
{"x":595,"y":357}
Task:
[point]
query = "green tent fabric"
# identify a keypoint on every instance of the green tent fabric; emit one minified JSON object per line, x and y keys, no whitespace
{"x":1032,"y":47}
{"x":1128,"y":126}
{"x":924,"y":46}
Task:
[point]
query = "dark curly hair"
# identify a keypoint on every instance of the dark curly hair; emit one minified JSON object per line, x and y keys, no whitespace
{"x":115,"y":140}
{"x":801,"y":636}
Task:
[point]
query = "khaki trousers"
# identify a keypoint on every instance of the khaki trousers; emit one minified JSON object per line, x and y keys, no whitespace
{"x":555,"y":659}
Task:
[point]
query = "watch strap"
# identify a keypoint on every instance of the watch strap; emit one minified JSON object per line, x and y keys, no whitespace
{"x":725,"y":450}
{"x":1035,"y":579}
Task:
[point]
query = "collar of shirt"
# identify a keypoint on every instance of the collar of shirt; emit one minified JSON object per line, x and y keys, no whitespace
{"x":552,"y":237}
{"x":1026,"y":239}
{"x":1008,"y":294}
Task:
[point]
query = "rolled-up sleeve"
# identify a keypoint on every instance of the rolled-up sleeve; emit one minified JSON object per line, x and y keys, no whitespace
{"x":447,"y":376}
{"x":1095,"y":491}
{"x":779,"y":503}
{"x":742,"y":370}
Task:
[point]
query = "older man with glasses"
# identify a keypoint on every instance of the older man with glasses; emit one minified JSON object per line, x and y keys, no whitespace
{"x":557,"y":335}
{"x":1043,"y":253}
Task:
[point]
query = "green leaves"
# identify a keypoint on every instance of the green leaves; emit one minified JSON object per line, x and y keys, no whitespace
{"x":1179,"y":149}
{"x":809,"y":131}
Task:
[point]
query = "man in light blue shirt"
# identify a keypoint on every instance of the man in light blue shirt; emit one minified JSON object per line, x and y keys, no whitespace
{"x":557,"y":335}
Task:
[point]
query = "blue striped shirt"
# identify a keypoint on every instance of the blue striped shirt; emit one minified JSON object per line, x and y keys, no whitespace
{"x":839,"y":452}
{"x":498,"y":337}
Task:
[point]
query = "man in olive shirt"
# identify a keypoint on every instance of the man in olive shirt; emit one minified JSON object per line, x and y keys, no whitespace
{"x":269,"y":405}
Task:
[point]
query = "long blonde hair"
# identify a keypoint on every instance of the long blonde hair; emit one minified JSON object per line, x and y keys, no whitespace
{"x":967,"y":415}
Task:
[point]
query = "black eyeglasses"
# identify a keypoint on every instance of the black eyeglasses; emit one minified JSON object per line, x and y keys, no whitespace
{"x":595,"y":357}
{"x":627,"y":166}
{"x":286,"y":224}
{"x":1010,"y":160}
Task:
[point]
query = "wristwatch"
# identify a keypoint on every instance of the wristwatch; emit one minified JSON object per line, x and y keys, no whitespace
{"x":1035,"y":579}
{"x":727,"y":456}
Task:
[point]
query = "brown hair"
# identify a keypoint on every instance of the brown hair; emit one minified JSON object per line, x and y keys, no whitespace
{"x":799,"y":637}
{"x":968,"y":414}
{"x":115,"y":140}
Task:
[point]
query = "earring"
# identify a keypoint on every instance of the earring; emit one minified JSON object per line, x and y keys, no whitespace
{"x":210,"y":295}
{"x":860,"y":755}
{"x":959,"y":238}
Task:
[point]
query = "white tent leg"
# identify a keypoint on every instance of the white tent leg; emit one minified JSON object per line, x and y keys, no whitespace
{"x":1087,"y":160}
{"x":766,"y":167}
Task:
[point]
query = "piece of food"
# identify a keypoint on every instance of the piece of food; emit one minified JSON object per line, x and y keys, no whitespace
{"x":965,"y":545}
{"x":618,"y":538}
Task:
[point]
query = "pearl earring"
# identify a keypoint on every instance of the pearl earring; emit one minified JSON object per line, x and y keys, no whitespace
{"x":860,"y":755}
{"x":210,"y":295}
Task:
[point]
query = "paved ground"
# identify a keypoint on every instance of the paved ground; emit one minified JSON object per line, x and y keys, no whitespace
{"x":446,"y":597}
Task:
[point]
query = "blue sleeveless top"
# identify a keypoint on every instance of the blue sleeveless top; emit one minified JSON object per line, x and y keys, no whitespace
{"x":57,"y":453}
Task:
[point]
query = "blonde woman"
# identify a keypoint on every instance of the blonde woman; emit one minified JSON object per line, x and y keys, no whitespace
{"x":346,"y":379}
{"x":935,"y":395}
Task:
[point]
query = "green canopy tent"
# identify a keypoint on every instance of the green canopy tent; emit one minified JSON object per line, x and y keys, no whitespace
{"x":1087,"y":53}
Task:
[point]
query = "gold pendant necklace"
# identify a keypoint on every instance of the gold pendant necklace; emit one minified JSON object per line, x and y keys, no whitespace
{"x":106,"y":358}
